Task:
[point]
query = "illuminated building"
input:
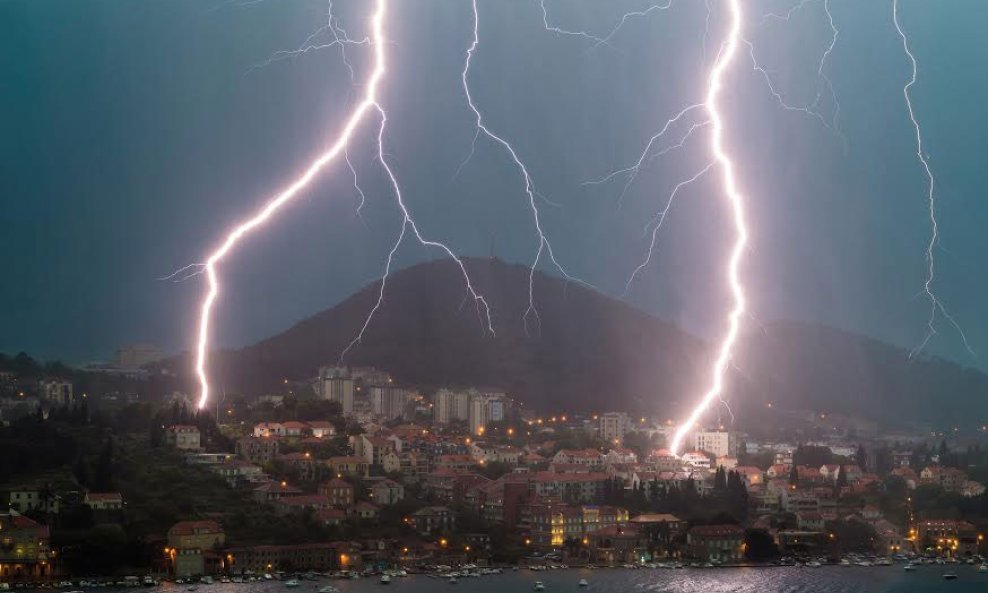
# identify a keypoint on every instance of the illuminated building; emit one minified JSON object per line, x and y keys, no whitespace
{"x":613,"y":426}
{"x":336,"y":385}
{"x":450,"y":406}
{"x":24,"y":551}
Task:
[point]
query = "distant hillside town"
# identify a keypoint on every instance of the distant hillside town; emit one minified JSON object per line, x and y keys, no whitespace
{"x":350,"y":469}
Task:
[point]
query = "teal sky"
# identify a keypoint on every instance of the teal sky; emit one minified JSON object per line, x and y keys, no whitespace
{"x":133,"y":132}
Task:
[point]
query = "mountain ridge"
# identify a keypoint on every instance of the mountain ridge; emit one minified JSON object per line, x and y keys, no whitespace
{"x":595,"y":353}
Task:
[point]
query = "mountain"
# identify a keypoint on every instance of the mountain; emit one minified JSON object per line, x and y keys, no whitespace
{"x":588,"y":352}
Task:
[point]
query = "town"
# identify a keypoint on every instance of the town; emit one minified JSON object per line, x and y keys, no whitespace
{"x":350,"y":472}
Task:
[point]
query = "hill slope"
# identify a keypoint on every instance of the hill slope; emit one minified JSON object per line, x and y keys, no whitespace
{"x":596,"y":353}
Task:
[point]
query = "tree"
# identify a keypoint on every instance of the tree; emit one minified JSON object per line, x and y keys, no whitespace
{"x":861,"y":458}
{"x":793,"y":475}
{"x":759,"y":546}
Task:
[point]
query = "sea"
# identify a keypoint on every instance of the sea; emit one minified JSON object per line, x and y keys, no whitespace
{"x":826,"y":579}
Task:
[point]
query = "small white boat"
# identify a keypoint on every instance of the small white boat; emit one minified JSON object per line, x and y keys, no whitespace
{"x":192,"y":588}
{"x":539,"y":586}
{"x":328,"y":589}
{"x":385,"y":579}
{"x":291,"y":583}
{"x":583,"y":583}
{"x":909,"y":567}
{"x":950,"y":576}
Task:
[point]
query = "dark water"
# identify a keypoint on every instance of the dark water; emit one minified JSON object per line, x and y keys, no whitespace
{"x":927,"y":579}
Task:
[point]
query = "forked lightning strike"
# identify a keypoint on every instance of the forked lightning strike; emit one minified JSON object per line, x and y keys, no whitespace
{"x":368,"y":102}
{"x":935,"y":303}
{"x":605,"y":39}
{"x":714,"y":83}
{"x":481,"y":128}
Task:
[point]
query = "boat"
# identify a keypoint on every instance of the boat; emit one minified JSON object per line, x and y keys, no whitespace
{"x":149,"y":581}
{"x":539,"y":586}
{"x":328,"y":589}
{"x":813,"y":564}
{"x":983,"y":568}
{"x":291,"y":583}
{"x":583,"y":583}
{"x":452,"y":580}
{"x":909,"y":567}
{"x":385,"y":579}
{"x":950,"y":576}
{"x":192,"y":588}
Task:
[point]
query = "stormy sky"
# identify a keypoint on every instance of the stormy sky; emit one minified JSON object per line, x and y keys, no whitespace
{"x":132,"y":133}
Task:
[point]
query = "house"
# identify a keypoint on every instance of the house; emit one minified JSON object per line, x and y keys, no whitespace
{"x":716,"y":543}
{"x":192,"y":547}
{"x":617,"y":544}
{"x":778,"y":470}
{"x":571,"y":487}
{"x":294,"y":429}
{"x":24,"y":548}
{"x":620,"y":455}
{"x":971,"y":489}
{"x":750,"y":475}
{"x":591,"y":457}
{"x":269,"y":429}
{"x":103,"y":501}
{"x":330,"y":517}
{"x":660,"y":530}
{"x":457,"y":463}
{"x":829,"y":471}
{"x":387,"y":492}
{"x":183,"y":436}
{"x":238,"y":472}
{"x":809,"y":521}
{"x":696,"y":460}
{"x":366,"y":510}
{"x":349,"y":466}
{"x":34,"y":498}
{"x":292,"y":504}
{"x":339,"y":493}
{"x":373,"y":448}
{"x":319,"y":556}
{"x":303,"y":464}
{"x":434,"y":519}
{"x":273,"y":491}
{"x":727,"y":462}
{"x":391,"y":462}
{"x":948,"y":478}
{"x":322,"y":429}
{"x":257,"y":449}
{"x":908,"y":475}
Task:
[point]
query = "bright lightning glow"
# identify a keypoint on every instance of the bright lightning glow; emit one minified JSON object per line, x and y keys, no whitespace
{"x":725,"y":57}
{"x":935,"y":303}
{"x":368,"y":103}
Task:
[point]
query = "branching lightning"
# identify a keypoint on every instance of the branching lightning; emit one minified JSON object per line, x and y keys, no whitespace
{"x":335,"y":36}
{"x":736,"y":200}
{"x":935,"y":304}
{"x":812,"y":109}
{"x":545,"y":247}
{"x":606,"y":38}
{"x":368,"y":103}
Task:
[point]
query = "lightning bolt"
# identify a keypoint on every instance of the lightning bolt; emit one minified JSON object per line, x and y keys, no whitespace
{"x":545,"y":247}
{"x":605,"y":39}
{"x":811,"y":109}
{"x":368,"y":104}
{"x":335,"y":36}
{"x":935,"y":304}
{"x":735,"y":199}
